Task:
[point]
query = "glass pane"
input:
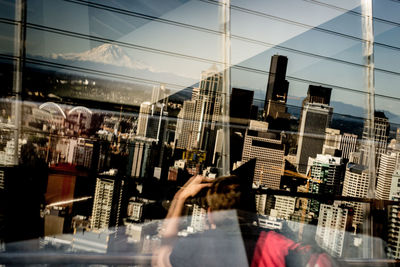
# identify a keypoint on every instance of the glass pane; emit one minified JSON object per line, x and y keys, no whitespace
{"x":195,"y":131}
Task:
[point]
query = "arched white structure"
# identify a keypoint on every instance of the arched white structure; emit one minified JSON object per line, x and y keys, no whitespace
{"x":80,"y":108}
{"x":53,"y":105}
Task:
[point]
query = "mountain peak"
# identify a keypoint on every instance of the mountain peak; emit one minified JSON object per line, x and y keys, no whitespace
{"x":109,"y":54}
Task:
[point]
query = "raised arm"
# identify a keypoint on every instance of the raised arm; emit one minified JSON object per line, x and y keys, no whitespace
{"x":171,"y":223}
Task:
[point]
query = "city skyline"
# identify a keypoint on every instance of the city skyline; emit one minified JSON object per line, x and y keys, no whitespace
{"x":104,"y":124}
{"x":324,"y":70}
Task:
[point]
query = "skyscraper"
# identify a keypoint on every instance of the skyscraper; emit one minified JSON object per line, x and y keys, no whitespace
{"x":327,"y":173}
{"x":143,"y":154}
{"x":381,"y":133}
{"x":356,"y":182}
{"x":318,"y":94}
{"x":152,"y":120}
{"x":240,"y":106}
{"x":332,"y":142}
{"x":107,"y":202}
{"x":387,"y":167}
{"x":278,"y":86}
{"x":348,"y":144}
{"x":393,"y":228}
{"x":333,"y":222}
{"x":198,"y":222}
{"x":159,"y":94}
{"x":207,"y":111}
{"x":83,"y":153}
{"x":145,"y":110}
{"x":315,"y":118}
{"x":394,"y":220}
{"x":240,"y":114}
{"x":184,"y":125}
{"x":284,"y":206}
{"x":395,"y":187}
{"x":275,"y":111}
{"x":268,"y":150}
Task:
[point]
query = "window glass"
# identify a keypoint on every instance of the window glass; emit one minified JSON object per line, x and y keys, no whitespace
{"x":199,"y":131}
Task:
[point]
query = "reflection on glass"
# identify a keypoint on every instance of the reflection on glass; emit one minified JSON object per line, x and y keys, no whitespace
{"x":112,"y":109}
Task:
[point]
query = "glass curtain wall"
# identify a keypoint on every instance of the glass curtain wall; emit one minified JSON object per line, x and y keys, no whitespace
{"x":108,"y":108}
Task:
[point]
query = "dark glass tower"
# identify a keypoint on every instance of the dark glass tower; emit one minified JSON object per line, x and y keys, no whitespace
{"x":277,"y":88}
{"x":318,"y":94}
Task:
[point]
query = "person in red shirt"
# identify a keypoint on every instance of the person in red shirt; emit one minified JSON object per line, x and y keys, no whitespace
{"x":234,"y":238}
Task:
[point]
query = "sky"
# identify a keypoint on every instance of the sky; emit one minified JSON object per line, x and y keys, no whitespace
{"x":297,"y":29}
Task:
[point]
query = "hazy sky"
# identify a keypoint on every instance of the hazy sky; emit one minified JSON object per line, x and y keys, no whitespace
{"x":259,"y":30}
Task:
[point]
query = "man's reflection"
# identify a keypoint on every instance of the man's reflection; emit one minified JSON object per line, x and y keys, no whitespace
{"x":233,"y":238}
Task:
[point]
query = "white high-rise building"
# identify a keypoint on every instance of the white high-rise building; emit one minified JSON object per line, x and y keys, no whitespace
{"x":107,"y":202}
{"x":381,"y":133}
{"x":348,"y":144}
{"x":332,"y":141}
{"x":395,"y":186}
{"x":284,"y":206}
{"x":198,"y":222}
{"x":333,"y":221}
{"x":208,"y":108}
{"x":159,"y":94}
{"x":261,"y":201}
{"x":184,"y":125}
{"x":135,"y":209}
{"x":145,"y":110}
{"x":356,"y":182}
{"x":393,"y":226}
{"x":386,"y":170}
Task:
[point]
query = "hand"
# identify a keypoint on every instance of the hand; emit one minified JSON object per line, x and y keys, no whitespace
{"x":193,"y":187}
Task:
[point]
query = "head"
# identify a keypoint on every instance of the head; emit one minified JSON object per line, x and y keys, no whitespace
{"x":228,"y":193}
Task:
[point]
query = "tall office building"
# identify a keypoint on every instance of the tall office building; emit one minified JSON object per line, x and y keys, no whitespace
{"x":142,"y":156}
{"x":329,"y":171}
{"x":334,"y":224}
{"x":356,"y":182}
{"x":315,"y":118}
{"x":395,"y":186}
{"x":83,"y":152}
{"x":184,"y":125}
{"x":107,"y":202}
{"x":145,"y":110}
{"x":284,"y":207}
{"x":393,"y":228}
{"x":348,"y":144}
{"x":198,"y":222}
{"x":208,"y":108}
{"x":318,"y":94}
{"x":159,"y":94}
{"x":152,"y":121}
{"x":268,"y":150}
{"x":381,"y":133}
{"x":387,"y":166}
{"x":261,"y":201}
{"x":275,"y":111}
{"x":278,"y":86}
{"x":332,"y":142}
{"x":240,"y":106}
{"x":240,"y":113}
{"x":327,"y":174}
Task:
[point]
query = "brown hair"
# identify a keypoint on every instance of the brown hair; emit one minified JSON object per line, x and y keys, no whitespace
{"x":229,"y":192}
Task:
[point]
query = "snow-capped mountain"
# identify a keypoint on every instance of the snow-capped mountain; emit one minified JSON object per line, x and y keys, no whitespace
{"x":108,"y":54}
